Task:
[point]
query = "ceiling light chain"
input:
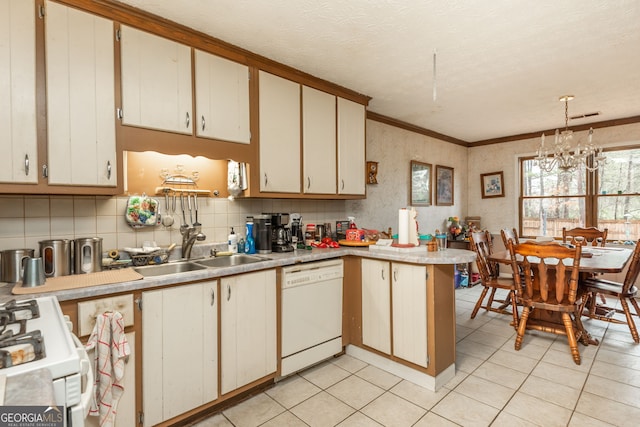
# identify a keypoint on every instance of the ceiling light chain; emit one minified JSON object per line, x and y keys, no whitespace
{"x":435,"y":86}
{"x":563,"y":156}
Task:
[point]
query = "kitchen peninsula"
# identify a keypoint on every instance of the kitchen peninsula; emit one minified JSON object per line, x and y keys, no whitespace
{"x":406,"y":299}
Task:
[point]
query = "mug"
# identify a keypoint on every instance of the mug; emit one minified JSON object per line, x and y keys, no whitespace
{"x":33,"y":272}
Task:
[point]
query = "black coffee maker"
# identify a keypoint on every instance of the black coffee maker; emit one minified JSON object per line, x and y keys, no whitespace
{"x":280,"y":233}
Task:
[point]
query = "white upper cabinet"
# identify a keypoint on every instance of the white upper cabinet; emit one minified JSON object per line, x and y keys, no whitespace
{"x":80,"y":97}
{"x":351,"y":147}
{"x":318,"y":141}
{"x":18,"y":137}
{"x":222,"y":98}
{"x":156,"y":82}
{"x":279,"y":134}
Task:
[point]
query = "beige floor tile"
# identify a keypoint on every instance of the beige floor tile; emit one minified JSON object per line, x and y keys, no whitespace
{"x":253,"y":412}
{"x":457,"y":379}
{"x":560,"y":375}
{"x":217,"y":420}
{"x":462,"y":331}
{"x":499,"y":327}
{"x":474,"y":349}
{"x":528,"y":349}
{"x":292,"y":391}
{"x":564,"y":358}
{"x":537,"y":411}
{"x":393,"y":411}
{"x":622,"y":393}
{"x":501,"y":375}
{"x":507,"y":420}
{"x":467,"y":363}
{"x":487,"y":338}
{"x":419,"y":395}
{"x":621,"y":346}
{"x":378,"y":377}
{"x":349,"y":363}
{"x":607,"y":411}
{"x":359,"y":420}
{"x":325,"y":375}
{"x":433,"y":420}
{"x":581,"y":420}
{"x":355,"y":392}
{"x":485,"y":391}
{"x":552,"y":391}
{"x":616,"y":373}
{"x":625,"y":360}
{"x":322,"y":410}
{"x":514,"y":361}
{"x":462,"y":410}
{"x":286,"y":419}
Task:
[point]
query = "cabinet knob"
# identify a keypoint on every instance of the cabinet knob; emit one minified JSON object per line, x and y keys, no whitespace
{"x":308,"y":182}
{"x":213,"y":297}
{"x":382,"y":273}
{"x":26,"y":164}
{"x":45,"y":171}
{"x":203,"y":123}
{"x":108,"y":169}
{"x":266,"y":180}
{"x":188,"y":120}
{"x":228,"y":292}
{"x":342,"y":184}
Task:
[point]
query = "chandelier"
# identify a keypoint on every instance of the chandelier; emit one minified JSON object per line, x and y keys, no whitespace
{"x":562,"y":155}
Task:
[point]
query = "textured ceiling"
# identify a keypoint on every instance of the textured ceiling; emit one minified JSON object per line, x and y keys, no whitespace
{"x":501,"y":64}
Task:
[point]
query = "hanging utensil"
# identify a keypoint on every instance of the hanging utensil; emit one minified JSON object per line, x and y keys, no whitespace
{"x":184,"y":216}
{"x":167,"y":219}
{"x":195,"y":205}
{"x":190,"y":209}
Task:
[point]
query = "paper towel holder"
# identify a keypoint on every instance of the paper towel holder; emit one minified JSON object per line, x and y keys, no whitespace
{"x":420,"y":183}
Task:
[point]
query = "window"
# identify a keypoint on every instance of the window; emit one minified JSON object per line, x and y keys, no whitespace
{"x":607,"y":198}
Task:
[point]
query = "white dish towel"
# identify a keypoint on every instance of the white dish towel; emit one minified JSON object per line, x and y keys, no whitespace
{"x":111,"y":350}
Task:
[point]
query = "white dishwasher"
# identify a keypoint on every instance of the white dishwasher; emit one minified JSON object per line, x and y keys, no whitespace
{"x":311,"y":314}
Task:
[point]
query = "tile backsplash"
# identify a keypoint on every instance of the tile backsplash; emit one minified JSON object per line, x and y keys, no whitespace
{"x":25,"y":220}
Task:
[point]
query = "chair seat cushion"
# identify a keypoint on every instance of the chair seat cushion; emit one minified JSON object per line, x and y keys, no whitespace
{"x":608,"y":287}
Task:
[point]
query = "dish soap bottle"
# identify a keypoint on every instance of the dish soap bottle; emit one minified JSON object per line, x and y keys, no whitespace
{"x":250,"y":244}
{"x":233,"y":242}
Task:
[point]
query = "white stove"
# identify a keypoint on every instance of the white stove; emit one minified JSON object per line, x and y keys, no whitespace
{"x":62,"y":354}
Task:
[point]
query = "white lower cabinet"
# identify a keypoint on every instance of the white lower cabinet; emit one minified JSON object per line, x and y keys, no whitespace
{"x":376,"y":305}
{"x":179,"y":350}
{"x":248,"y":328}
{"x":394,"y":309}
{"x":409,"y":308}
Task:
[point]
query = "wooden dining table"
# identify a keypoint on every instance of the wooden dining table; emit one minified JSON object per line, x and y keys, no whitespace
{"x":594,"y":260}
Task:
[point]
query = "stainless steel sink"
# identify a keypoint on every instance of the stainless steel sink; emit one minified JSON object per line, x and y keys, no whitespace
{"x":228,"y":261}
{"x":170,"y":268}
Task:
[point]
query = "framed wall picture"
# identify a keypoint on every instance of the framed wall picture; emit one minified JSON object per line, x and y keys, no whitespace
{"x":420,"y":184}
{"x":492,"y":185}
{"x":444,"y":186}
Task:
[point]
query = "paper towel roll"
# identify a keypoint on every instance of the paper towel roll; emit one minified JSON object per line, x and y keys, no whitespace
{"x":403,"y":226}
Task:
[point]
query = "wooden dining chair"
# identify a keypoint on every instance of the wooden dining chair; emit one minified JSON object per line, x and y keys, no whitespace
{"x":509,"y":234}
{"x":480,"y":242}
{"x":625,"y":292}
{"x":550,"y":287}
{"x":585,"y":236}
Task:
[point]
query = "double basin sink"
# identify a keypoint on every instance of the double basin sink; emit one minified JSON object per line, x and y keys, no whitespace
{"x":200,"y":264}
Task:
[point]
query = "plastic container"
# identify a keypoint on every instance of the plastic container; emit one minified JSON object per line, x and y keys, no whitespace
{"x":250,"y":244}
{"x":233,"y":242}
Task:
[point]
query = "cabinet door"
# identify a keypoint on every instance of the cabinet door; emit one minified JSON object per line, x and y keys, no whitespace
{"x":80,"y":97}
{"x":409,"y":295}
{"x":222,"y":98}
{"x":247,"y":328}
{"x":279,"y":134}
{"x":156,"y":82}
{"x":126,"y":413}
{"x":18,"y":139}
{"x":376,"y":305}
{"x":351,"y":147}
{"x":179,"y":360}
{"x":319,"y":141}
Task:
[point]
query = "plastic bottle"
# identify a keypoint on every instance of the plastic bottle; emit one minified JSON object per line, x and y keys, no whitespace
{"x":233,"y":241}
{"x":250,"y":244}
{"x":352,"y":223}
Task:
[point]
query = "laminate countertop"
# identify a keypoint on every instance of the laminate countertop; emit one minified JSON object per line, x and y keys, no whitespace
{"x":418,"y":255}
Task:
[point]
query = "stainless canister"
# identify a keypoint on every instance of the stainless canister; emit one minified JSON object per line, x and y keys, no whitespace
{"x":57,"y":255}
{"x":13,"y":261}
{"x":87,"y":255}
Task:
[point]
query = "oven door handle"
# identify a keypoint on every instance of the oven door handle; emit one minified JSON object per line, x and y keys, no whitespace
{"x":89,"y":381}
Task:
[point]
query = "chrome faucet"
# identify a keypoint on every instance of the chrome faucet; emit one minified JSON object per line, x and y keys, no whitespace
{"x":189,"y":237}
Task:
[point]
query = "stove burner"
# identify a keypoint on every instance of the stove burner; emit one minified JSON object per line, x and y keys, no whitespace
{"x":17,"y":345}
